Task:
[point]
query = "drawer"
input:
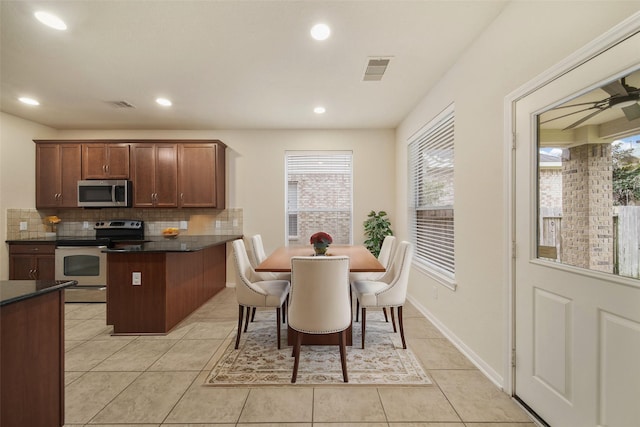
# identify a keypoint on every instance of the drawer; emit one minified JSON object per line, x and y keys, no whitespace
{"x":32,"y":248}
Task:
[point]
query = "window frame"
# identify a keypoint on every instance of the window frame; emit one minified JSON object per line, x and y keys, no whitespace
{"x":300,"y":196}
{"x":438,"y":133}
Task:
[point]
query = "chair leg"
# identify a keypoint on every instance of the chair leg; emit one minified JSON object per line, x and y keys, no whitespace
{"x":284,"y":311}
{"x":393,"y":320}
{"x":384,"y":310}
{"x":246,"y":320}
{"x":296,"y":352}
{"x":364,"y":321}
{"x":240,"y":313}
{"x":404,"y":343}
{"x":357,"y":308}
{"x":253,"y":314}
{"x":343,"y":355}
{"x":278,"y":314}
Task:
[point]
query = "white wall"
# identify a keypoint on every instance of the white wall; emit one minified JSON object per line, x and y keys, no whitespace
{"x":255,"y":170}
{"x":17,"y":172}
{"x":525,"y":40}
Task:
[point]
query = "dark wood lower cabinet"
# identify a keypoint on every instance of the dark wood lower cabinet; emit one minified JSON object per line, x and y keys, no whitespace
{"x":32,"y":362}
{"x":173,"y":285}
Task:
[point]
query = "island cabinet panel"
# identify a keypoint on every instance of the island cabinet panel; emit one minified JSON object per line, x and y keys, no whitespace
{"x":172,"y":287}
{"x":201,"y":175}
{"x":32,"y":362}
{"x":154,"y":171}
{"x":105,"y":161}
{"x":215,"y":271}
{"x":58,"y":170}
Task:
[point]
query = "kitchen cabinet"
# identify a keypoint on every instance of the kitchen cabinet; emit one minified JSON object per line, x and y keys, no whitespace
{"x":58,"y":170}
{"x":201,"y":172}
{"x":105,"y":161}
{"x":154,"y":171}
{"x":32,"y":261}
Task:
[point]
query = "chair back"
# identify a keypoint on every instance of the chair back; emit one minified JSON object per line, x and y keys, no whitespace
{"x":397,"y":277}
{"x":386,"y":251}
{"x":258,"y":249}
{"x":319,"y":300}
{"x":246,"y":291}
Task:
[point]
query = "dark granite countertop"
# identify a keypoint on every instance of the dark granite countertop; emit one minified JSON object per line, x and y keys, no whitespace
{"x":16,"y":290}
{"x":176,"y":244}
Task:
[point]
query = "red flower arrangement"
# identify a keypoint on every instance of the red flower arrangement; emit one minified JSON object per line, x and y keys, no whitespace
{"x":320,"y":239}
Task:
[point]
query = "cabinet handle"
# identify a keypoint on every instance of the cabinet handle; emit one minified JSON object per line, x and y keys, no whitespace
{"x":36,"y":249}
{"x":32,"y":274}
{"x":107,"y":168}
{"x":181,"y":196}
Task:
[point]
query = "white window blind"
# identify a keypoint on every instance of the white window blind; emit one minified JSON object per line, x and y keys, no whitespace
{"x":431,"y":194}
{"x":323,"y":195}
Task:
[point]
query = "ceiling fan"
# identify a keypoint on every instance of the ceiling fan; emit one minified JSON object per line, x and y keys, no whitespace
{"x":621,"y":95}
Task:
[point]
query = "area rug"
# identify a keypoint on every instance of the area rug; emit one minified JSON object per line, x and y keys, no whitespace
{"x":258,"y":361}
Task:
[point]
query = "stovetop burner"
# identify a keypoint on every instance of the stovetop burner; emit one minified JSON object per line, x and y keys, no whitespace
{"x":108,"y":233}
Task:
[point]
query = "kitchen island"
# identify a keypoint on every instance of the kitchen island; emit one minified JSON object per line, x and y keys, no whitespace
{"x":154,"y":285}
{"x":32,"y":352}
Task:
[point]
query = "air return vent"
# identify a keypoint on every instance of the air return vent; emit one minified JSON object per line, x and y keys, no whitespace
{"x":375,"y":69}
{"x":120,"y":104}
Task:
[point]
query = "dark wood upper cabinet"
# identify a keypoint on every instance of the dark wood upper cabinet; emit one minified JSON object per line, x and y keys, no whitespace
{"x":201,"y":171}
{"x":164,"y":173}
{"x":57,"y":174}
{"x":105,"y":161}
{"x":154,"y":171}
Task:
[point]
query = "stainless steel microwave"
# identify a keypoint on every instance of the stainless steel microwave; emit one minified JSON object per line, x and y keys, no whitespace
{"x":104,"y":193}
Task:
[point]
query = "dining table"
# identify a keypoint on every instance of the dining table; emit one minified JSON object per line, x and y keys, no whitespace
{"x":360,"y":261}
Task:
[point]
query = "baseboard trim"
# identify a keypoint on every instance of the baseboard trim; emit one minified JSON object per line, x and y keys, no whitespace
{"x":487,"y":370}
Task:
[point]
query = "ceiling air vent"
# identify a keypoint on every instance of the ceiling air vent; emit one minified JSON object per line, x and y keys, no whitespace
{"x":120,"y":104}
{"x":376,"y":68}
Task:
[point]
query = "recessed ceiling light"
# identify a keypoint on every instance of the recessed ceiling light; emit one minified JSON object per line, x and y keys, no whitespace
{"x":50,"y":20}
{"x":320,"y":31}
{"x":319,"y":110}
{"x":164,"y":102}
{"x":29,"y":101}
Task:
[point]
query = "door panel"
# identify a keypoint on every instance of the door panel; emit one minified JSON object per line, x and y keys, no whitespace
{"x":577,"y":330}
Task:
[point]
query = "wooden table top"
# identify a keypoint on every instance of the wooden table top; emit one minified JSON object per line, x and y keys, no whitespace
{"x":360,"y":259}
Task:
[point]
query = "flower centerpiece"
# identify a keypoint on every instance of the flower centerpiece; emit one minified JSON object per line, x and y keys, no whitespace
{"x":52,"y":220}
{"x":320,"y":242}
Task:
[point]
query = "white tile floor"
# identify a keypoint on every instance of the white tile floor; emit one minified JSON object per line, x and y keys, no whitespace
{"x":157,"y":381}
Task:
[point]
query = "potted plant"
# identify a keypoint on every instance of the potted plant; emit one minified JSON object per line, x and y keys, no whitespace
{"x":376,"y":227}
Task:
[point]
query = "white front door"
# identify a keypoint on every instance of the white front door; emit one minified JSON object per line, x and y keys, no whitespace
{"x":577,"y":330}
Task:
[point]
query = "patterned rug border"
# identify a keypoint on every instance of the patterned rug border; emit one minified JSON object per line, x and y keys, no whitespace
{"x":258,"y":363}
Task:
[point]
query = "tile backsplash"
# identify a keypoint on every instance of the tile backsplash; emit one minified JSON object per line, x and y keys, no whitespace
{"x":80,"y":222}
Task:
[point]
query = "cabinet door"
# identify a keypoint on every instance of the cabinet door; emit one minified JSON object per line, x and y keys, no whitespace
{"x":45,"y":266}
{"x":21,"y":267}
{"x":118,"y":161}
{"x":70,"y":174}
{"x":143,"y":170}
{"x":166,"y":176}
{"x":197,"y":183}
{"x":47,"y":175}
{"x":94,"y":161}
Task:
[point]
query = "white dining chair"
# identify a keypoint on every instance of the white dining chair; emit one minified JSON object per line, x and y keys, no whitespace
{"x":320,"y":302}
{"x":260,"y":255}
{"x":252,"y":291}
{"x":384,"y":257}
{"x":389,"y":291}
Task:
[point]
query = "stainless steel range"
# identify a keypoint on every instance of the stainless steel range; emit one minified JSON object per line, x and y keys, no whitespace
{"x":82,"y":259}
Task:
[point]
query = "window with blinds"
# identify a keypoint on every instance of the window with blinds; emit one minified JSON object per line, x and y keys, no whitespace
{"x":319,"y":195}
{"x":431,"y":195}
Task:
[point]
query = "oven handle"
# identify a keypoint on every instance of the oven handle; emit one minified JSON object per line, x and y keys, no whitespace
{"x":113,"y":193}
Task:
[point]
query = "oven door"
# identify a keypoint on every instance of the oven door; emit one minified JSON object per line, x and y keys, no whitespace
{"x":85,"y":264}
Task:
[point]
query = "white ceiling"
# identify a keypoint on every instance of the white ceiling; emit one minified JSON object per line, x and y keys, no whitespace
{"x":229,"y":64}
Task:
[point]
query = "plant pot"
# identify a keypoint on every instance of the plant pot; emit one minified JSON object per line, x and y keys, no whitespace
{"x":320,"y":250}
